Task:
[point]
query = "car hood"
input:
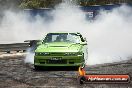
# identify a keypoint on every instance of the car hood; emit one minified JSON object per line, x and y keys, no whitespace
{"x":58,"y":47}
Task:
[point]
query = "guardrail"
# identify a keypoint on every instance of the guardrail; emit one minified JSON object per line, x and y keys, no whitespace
{"x":18,"y":46}
{"x":14,"y":47}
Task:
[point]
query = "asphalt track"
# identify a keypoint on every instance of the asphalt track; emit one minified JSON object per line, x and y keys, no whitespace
{"x":14,"y":73}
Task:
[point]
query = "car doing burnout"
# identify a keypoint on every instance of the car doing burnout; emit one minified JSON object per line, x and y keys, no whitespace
{"x":61,"y":49}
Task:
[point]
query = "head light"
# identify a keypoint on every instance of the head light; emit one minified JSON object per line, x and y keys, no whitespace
{"x":70,"y":53}
{"x":36,"y":53}
{"x":46,"y":53}
{"x":41,"y":53}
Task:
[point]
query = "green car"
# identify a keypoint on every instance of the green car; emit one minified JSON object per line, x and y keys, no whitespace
{"x":61,"y":49}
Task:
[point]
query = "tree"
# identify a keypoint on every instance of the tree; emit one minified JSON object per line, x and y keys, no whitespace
{"x":39,"y":3}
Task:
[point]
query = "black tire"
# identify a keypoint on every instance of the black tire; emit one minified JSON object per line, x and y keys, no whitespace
{"x":36,"y":67}
{"x":81,"y":79}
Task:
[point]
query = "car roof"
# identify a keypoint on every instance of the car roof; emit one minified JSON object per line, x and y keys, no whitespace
{"x":64,"y":32}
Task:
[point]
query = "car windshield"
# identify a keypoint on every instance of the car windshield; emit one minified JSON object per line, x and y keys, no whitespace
{"x":62,"y":37}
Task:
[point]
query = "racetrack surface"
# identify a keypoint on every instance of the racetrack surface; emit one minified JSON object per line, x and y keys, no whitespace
{"x":14,"y":73}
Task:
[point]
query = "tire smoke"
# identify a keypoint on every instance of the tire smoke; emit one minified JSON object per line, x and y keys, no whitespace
{"x":109,"y":36}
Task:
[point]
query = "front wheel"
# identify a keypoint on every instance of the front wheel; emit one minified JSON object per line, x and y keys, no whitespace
{"x":36,"y":67}
{"x":81,"y":79}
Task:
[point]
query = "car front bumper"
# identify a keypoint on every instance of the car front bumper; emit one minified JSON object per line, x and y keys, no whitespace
{"x":64,"y":61}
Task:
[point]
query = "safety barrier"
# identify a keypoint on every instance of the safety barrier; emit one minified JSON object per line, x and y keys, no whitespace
{"x":14,"y":47}
{"x":18,"y":46}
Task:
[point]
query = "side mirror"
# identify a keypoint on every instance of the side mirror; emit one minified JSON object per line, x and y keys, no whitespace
{"x":39,"y":42}
{"x":83,"y":43}
{"x":85,"y":39}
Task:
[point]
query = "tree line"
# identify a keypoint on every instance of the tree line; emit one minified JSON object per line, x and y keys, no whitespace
{"x":5,"y":4}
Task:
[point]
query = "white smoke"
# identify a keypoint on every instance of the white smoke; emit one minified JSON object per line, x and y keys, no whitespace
{"x":17,"y":27}
{"x":30,"y":56}
{"x":109,"y":36}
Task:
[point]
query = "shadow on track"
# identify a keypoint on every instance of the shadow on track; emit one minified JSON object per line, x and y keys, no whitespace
{"x":75,"y":68}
